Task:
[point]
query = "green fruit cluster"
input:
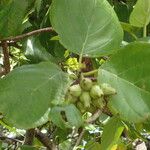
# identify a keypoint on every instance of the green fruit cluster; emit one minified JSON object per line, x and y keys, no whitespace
{"x":88,"y":95}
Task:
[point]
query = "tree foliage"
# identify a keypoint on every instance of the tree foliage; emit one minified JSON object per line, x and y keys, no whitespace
{"x":74,"y":74}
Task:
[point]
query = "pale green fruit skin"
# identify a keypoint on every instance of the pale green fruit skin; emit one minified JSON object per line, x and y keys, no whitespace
{"x":96,"y":92}
{"x":86,"y":99}
{"x":75,"y":90}
{"x":98,"y":102}
{"x":80,"y":106}
{"x":107,"y":89}
{"x":91,"y":109}
{"x":86,"y":84}
{"x":70,"y":98}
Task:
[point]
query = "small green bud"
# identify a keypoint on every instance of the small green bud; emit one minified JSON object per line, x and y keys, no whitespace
{"x":75,"y":90}
{"x":86,"y":99}
{"x":86,"y":84}
{"x":96,"y":92}
{"x":107,"y":89}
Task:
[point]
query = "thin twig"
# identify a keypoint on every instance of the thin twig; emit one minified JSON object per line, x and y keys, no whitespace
{"x":94,"y":117}
{"x":9,"y":140}
{"x":90,"y":73}
{"x":2,"y":72}
{"x":12,"y":43}
{"x":20,"y":37}
{"x":29,"y":137}
{"x":79,"y":138}
{"x":44,"y":139}
{"x":6,"y":57}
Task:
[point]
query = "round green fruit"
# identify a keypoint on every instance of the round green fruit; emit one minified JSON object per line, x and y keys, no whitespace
{"x":96,"y":92}
{"x":107,"y":89}
{"x":80,"y":106}
{"x":86,"y":84}
{"x":92,"y":109}
{"x":98,"y":102}
{"x":86,"y":99}
{"x":75,"y":90}
{"x":70,"y":98}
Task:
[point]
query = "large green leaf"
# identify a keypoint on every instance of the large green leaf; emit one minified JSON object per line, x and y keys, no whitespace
{"x":93,"y":146}
{"x":128,"y":72}
{"x":27,"y":93}
{"x":88,"y":27}
{"x":111,"y":134}
{"x":72,"y":115}
{"x":140,"y":16}
{"x":35,"y":52}
{"x":12,"y":14}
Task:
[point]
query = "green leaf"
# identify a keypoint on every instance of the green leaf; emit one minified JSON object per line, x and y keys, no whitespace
{"x":72,"y":114}
{"x":65,"y":145}
{"x":93,"y":146}
{"x":111,"y":133}
{"x":122,"y":11}
{"x":130,"y":29}
{"x":28,"y":91}
{"x":27,"y":147}
{"x":140,"y":16}
{"x":56,"y":117}
{"x":12,"y":14}
{"x":144,"y":39}
{"x":128,"y":72}
{"x":88,"y":27}
{"x":38,"y":4}
{"x":35,"y":52}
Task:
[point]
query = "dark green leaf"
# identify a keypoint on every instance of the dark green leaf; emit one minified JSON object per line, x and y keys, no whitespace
{"x":111,"y":133}
{"x":88,"y":27}
{"x":27,"y":93}
{"x":56,"y":117}
{"x":128,"y":72}
{"x":140,"y":16}
{"x":35,"y":52}
{"x":72,"y":114}
{"x":12,"y":13}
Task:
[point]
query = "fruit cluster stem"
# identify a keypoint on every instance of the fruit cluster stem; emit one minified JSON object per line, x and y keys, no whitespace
{"x":90,"y":73}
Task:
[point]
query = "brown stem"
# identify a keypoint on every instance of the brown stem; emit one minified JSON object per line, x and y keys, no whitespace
{"x":2,"y":72}
{"x":29,"y":137}
{"x":20,"y":37}
{"x":6,"y":56}
{"x":9,"y":140}
{"x":79,"y":138}
{"x":12,"y":43}
{"x":44,"y":139}
{"x":94,"y":117}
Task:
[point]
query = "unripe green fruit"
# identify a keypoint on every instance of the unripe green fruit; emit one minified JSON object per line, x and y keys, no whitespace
{"x":98,"y":102}
{"x":86,"y":84}
{"x":75,"y":90}
{"x":86,"y":99}
{"x":80,"y":106}
{"x":96,"y":92}
{"x":92,"y":109}
{"x":107,"y":89}
{"x":70,"y":98}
